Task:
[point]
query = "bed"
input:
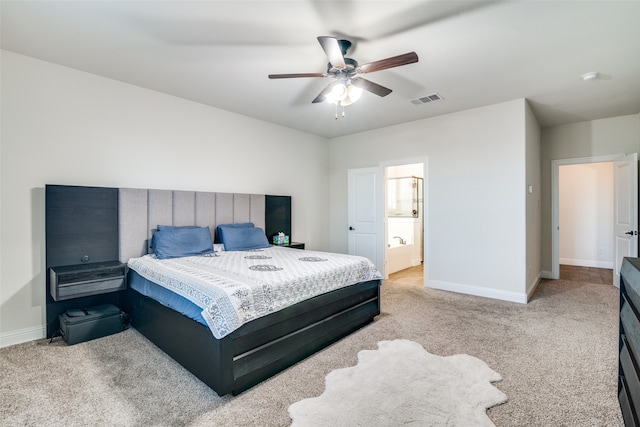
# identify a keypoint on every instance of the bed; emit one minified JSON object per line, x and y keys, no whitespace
{"x":258,"y":347}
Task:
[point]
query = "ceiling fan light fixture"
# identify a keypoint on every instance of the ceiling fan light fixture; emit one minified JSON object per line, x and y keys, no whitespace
{"x":344,"y":94}
{"x":339,"y":92}
{"x":354,"y":92}
{"x":346,"y":101}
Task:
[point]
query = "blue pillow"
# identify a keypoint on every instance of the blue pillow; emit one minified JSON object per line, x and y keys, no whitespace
{"x":152,"y":241}
{"x":175,"y":227}
{"x":243,"y":238}
{"x":218,"y":238}
{"x":174,"y":242}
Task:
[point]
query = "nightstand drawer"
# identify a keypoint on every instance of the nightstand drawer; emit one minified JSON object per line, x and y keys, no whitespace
{"x":74,"y":281}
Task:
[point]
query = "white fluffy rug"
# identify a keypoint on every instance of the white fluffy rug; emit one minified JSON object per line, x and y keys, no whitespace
{"x":402,"y":384}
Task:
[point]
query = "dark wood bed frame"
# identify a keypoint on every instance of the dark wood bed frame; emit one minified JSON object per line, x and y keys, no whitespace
{"x":260,"y":348}
{"x":107,"y":224}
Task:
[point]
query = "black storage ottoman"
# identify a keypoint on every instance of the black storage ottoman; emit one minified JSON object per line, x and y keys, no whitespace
{"x":80,"y":325}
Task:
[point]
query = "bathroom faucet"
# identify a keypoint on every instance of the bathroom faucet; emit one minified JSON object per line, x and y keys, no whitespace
{"x":402,"y":241}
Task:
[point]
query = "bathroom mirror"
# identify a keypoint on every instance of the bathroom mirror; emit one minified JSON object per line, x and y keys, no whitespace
{"x":403,"y":196}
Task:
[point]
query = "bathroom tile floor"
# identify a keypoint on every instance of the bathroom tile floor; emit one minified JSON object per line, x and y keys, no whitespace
{"x":411,"y":275}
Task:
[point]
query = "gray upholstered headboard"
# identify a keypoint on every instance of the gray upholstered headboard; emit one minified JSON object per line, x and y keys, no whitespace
{"x":141,"y":210}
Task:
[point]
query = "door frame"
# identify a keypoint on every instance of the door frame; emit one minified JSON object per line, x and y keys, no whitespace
{"x":555,"y":202}
{"x":425,"y":209}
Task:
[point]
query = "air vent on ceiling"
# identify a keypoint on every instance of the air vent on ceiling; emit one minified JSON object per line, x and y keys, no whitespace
{"x":426,"y":99}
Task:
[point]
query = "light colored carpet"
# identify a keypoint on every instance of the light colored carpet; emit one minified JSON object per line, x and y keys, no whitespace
{"x":558,"y":356}
{"x":403,"y":384}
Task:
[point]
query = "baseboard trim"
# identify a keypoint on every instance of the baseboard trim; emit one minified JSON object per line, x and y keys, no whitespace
{"x":546,"y":275}
{"x":22,"y":335}
{"x":533,"y":287}
{"x":587,"y":263}
{"x":479,"y":291}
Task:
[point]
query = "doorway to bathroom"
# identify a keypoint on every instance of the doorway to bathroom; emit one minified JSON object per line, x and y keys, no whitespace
{"x":405,"y":219}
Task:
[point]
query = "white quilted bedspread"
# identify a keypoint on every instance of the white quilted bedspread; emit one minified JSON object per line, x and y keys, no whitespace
{"x":236,"y":287}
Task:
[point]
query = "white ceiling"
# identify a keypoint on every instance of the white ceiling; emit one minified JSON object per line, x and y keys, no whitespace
{"x":472,"y":53}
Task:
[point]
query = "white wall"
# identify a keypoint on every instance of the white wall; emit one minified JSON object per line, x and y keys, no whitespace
{"x":476,"y":185}
{"x":533,"y":202}
{"x":616,"y":135}
{"x":586,"y":215}
{"x":62,"y":126}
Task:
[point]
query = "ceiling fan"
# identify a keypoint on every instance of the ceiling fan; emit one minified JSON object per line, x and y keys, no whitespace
{"x":347,"y":85}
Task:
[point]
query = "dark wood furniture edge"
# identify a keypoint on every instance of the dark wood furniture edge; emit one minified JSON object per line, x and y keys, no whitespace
{"x":260,"y":348}
{"x":629,"y":326}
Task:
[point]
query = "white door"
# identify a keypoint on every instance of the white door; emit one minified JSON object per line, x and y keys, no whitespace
{"x":366,"y":215}
{"x":625,"y":226}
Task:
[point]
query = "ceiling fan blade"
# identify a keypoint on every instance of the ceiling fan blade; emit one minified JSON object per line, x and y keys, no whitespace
{"x":293,"y":76}
{"x":370,"y":86}
{"x":333,"y":50}
{"x":394,"y":61}
{"x":321,"y":96}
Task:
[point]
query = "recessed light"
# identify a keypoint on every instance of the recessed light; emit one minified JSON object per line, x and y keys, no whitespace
{"x":590,"y":76}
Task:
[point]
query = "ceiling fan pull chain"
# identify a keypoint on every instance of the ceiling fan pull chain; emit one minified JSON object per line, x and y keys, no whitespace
{"x":337,"y":110}
{"x":343,"y":111}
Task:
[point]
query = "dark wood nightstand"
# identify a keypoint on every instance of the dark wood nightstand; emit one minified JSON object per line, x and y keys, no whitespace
{"x":74,"y":281}
{"x":294,"y":245}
